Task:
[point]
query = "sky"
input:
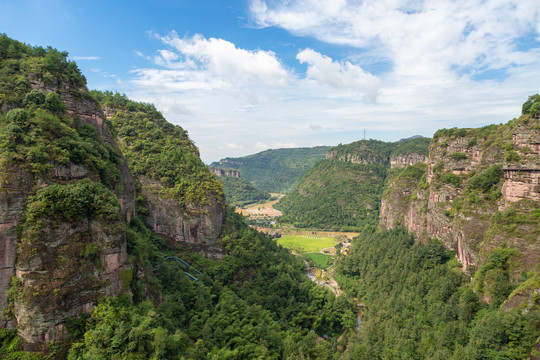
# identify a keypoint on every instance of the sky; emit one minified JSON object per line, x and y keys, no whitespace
{"x":243,"y":76}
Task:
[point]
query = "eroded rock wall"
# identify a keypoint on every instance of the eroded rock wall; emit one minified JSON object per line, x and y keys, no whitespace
{"x":400,"y":161}
{"x":63,"y":273}
{"x":73,"y":263}
{"x":15,"y":186}
{"x":201,"y":225}
{"x":443,"y":205}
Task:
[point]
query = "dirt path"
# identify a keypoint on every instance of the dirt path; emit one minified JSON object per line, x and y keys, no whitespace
{"x":262,"y":210}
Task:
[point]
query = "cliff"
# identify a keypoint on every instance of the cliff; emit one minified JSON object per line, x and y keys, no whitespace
{"x":398,"y":154}
{"x":182,"y":199}
{"x":68,"y":193}
{"x":224,"y":172}
{"x":69,"y":249}
{"x":478,"y":191}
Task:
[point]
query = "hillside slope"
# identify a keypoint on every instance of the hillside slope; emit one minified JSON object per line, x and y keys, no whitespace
{"x":277,"y":171}
{"x":344,"y":190}
{"x":479,"y":190}
{"x":67,"y":192}
{"x":238,"y":191}
{"x":184,"y":201}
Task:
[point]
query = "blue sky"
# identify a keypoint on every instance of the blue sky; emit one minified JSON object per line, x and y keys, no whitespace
{"x":245,"y":76}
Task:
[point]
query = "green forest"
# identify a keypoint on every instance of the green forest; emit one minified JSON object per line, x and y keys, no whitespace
{"x":240,"y":192}
{"x":255,"y":303}
{"x":276,"y":170}
{"x":335,"y":195}
{"x":420,"y":305}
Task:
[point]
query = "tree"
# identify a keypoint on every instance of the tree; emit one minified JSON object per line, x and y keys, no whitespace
{"x":531,"y":105}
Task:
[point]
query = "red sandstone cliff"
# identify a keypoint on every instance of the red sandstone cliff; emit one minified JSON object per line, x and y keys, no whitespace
{"x":443,"y":202}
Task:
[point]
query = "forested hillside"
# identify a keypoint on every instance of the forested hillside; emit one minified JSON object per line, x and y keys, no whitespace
{"x":419,"y":305}
{"x":344,"y":190}
{"x":335,"y":195}
{"x":240,"y":192}
{"x":278,"y":170}
{"x":116,"y":243}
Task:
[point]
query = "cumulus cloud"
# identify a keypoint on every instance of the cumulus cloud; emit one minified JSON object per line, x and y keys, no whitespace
{"x":343,"y":76}
{"x":441,"y":55}
{"x":224,"y":60}
{"x":428,"y":38}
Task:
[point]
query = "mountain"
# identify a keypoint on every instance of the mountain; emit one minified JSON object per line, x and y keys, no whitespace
{"x":277,"y":171}
{"x":238,"y":191}
{"x":344,"y":190}
{"x":115,"y":240}
{"x":478,"y":191}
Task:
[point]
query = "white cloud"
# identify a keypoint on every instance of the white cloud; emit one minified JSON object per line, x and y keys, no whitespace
{"x":343,"y":76}
{"x":224,"y":60}
{"x":428,"y":38}
{"x":236,"y":101}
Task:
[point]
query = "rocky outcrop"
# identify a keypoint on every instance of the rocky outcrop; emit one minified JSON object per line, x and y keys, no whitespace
{"x":224,"y":172}
{"x":194,"y":225}
{"x":63,"y":273}
{"x":357,"y":158}
{"x":521,"y":183}
{"x":400,"y":161}
{"x":440,"y":203}
{"x":15,"y":186}
{"x":84,"y":108}
{"x":73,"y":263}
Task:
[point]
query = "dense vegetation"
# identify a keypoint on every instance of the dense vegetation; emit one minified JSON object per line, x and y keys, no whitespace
{"x":36,"y":132}
{"x":240,"y":192}
{"x":19,"y":62}
{"x":344,"y":191}
{"x":335,"y":195}
{"x":276,"y":170}
{"x":420,"y":306}
{"x":159,"y":150}
{"x":254,"y":303}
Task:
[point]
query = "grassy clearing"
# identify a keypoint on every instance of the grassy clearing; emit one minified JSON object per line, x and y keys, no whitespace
{"x":322,"y":261}
{"x":306,"y":243}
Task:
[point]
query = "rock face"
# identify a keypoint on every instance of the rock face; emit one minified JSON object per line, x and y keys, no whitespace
{"x":444,"y":202}
{"x":71,"y":265}
{"x":62,"y":220}
{"x":400,"y":161}
{"x":224,"y":172}
{"x":357,"y":158}
{"x":63,"y":274}
{"x":85,"y":109}
{"x":15,"y":186}
{"x":193,"y":225}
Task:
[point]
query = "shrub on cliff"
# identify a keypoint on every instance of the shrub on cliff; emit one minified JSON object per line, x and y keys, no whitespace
{"x":83,"y":199}
{"x":532,"y":105}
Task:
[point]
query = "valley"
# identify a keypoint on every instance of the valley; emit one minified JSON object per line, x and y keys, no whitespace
{"x":435,"y":240}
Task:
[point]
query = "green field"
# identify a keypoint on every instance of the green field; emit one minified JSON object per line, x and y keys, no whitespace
{"x":305,"y":243}
{"x":322,"y":261}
